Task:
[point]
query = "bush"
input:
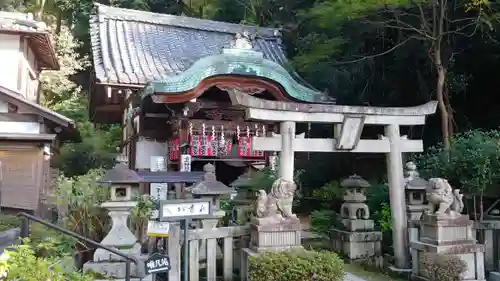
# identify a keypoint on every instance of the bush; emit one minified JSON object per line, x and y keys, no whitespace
{"x":9,"y":221}
{"x":323,"y":221}
{"x":296,"y":265}
{"x":441,"y":267}
{"x":23,"y":264}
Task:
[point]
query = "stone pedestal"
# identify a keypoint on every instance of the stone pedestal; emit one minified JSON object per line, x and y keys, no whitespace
{"x":121,"y":238}
{"x":284,"y":235}
{"x":280,"y":236}
{"x":358,"y":241}
{"x":452,"y":235}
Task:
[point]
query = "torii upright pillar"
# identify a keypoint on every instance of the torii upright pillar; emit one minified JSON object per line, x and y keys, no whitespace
{"x":351,"y":120}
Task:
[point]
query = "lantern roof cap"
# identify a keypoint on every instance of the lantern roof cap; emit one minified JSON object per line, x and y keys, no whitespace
{"x":355,"y":181}
{"x":210,"y":185}
{"x":120,"y":174}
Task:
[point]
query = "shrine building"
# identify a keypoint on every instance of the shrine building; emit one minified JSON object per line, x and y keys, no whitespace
{"x":167,"y":80}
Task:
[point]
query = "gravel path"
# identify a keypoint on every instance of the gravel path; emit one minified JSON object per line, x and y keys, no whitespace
{"x":351,"y":277}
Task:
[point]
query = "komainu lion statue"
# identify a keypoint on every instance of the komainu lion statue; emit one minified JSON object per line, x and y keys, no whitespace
{"x":443,"y":200}
{"x":277,"y":205}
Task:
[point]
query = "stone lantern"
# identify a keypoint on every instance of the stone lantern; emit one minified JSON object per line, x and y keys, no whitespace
{"x":415,"y":192}
{"x":210,"y":187}
{"x":354,"y":207}
{"x":245,"y":198}
{"x":122,"y":182}
{"x":357,"y":239}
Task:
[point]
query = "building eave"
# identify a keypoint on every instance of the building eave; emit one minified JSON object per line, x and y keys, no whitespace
{"x":66,"y":124}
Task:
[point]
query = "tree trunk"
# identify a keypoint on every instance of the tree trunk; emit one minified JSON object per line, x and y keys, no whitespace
{"x":59,"y":21}
{"x":441,"y":73}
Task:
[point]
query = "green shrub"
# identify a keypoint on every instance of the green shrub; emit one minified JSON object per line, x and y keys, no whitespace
{"x":323,"y":221}
{"x":9,"y":221}
{"x":441,"y":267}
{"x":296,"y":265}
{"x":23,"y":264}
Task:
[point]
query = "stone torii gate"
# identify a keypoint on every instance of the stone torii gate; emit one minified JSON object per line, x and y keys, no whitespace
{"x":348,"y":122}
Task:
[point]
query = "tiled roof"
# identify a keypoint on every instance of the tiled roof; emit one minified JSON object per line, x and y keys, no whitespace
{"x":40,"y":38}
{"x":20,"y":21}
{"x":135,"y":47}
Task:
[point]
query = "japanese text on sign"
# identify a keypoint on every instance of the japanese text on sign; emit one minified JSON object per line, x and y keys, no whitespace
{"x":186,"y":209}
{"x":158,"y":229}
{"x":157,"y":263}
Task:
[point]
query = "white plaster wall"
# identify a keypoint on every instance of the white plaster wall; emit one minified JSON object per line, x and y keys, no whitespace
{"x":19,"y":127}
{"x":147,"y":148}
{"x":4,"y":108}
{"x":29,"y":68}
{"x":9,"y":57}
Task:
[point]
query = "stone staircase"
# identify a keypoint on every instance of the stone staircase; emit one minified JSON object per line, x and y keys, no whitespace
{"x":9,"y":238}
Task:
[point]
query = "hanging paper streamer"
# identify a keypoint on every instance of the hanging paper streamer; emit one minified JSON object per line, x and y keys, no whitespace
{"x":195,"y":145}
{"x":224,"y":146}
{"x":174,"y":151}
{"x":244,"y":144}
{"x":214,"y":143}
{"x":257,"y":153}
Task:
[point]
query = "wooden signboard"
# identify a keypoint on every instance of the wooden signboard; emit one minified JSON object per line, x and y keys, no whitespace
{"x":157,"y":263}
{"x":158,"y":228}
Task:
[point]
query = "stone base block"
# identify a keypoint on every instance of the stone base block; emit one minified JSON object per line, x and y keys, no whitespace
{"x":116,"y":269}
{"x":356,"y":245}
{"x":103,"y":255}
{"x":494,"y":276}
{"x":358,"y":225}
{"x":472,"y":254}
{"x":275,"y":237}
{"x":442,"y":230}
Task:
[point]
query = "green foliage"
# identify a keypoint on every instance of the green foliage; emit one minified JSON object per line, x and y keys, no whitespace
{"x":377,"y":196}
{"x":23,"y":264}
{"x":473,"y":162}
{"x":442,"y":267}
{"x":96,"y":150}
{"x":141,"y":214}
{"x":322,"y":221}
{"x":59,"y":92}
{"x":329,"y":192}
{"x":296,"y":265}
{"x":9,"y":221}
{"x":384,"y":217}
{"x":82,"y":195}
{"x":263,"y":179}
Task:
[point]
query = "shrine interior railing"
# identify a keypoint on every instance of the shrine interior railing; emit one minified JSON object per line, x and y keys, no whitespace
{"x":206,"y":243}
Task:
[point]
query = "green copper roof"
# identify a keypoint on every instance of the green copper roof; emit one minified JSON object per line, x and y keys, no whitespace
{"x":235,"y":62}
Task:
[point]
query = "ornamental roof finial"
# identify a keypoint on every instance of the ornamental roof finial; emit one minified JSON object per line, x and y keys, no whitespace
{"x":242,"y":41}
